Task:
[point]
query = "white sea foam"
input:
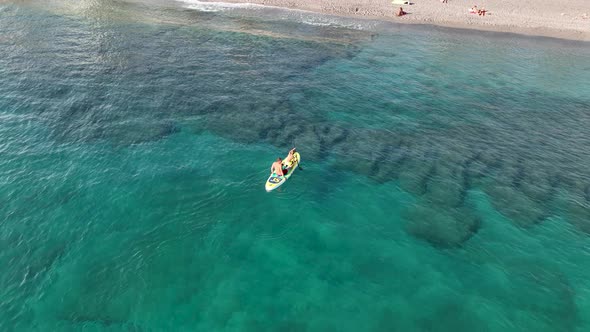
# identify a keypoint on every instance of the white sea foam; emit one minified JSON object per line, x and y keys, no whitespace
{"x":206,"y":6}
{"x":326,"y":21}
{"x":298,"y":15}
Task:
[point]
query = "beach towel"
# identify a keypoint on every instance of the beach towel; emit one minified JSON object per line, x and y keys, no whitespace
{"x":400,"y":2}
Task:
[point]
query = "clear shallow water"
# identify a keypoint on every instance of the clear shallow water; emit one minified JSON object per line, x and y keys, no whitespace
{"x":445,"y":183}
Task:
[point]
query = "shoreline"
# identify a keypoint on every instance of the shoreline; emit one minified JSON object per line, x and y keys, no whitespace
{"x":542,"y":18}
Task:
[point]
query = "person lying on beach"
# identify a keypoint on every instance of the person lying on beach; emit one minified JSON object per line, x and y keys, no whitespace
{"x":400,"y":12}
{"x":475,"y":10}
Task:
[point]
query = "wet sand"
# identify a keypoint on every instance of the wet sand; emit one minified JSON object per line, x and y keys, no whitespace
{"x":565,"y":19}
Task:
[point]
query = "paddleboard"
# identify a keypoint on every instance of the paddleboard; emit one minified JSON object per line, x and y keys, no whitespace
{"x":274,"y":181}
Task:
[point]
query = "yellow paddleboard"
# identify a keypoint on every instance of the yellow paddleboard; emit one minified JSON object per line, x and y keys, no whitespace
{"x":274,"y":181}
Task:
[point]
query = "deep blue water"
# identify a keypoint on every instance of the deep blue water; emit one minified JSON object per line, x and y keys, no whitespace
{"x":445,"y":182}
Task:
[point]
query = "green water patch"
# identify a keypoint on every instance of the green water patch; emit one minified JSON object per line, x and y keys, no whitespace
{"x":443,"y":187}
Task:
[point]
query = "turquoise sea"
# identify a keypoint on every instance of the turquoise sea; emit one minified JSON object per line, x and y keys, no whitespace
{"x":445,"y":182}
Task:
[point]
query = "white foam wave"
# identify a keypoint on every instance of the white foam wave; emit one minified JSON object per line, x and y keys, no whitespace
{"x":302,"y":16}
{"x":206,"y":6}
{"x":321,"y":20}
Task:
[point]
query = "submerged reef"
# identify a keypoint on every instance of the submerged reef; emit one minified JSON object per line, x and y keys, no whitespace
{"x":439,"y":167}
{"x":251,"y":86}
{"x":440,"y":225}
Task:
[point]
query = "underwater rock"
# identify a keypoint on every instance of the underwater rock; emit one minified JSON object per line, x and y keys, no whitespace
{"x":366,"y":152}
{"x":530,"y":179}
{"x":573,"y":181}
{"x":233,"y":128}
{"x":399,"y":153}
{"x":536,"y":186}
{"x":81,"y":120}
{"x":448,"y":182}
{"x":292,"y":126}
{"x":275,"y":133}
{"x":450,"y":313}
{"x":440,"y":226}
{"x":508,"y":174}
{"x":242,"y":123}
{"x":578,"y":214}
{"x":389,"y":160}
{"x":139,"y":132}
{"x":491,"y":158}
{"x":453,"y":169}
{"x":516,"y":206}
{"x":542,"y":291}
{"x":276,"y":119}
{"x":382,"y":173}
{"x":308,"y":143}
{"x":475,"y":173}
{"x":361,"y":167}
{"x":479,"y":170}
{"x":272,"y":121}
{"x":300,"y":135}
{"x":376,"y":154}
{"x":414,"y":177}
{"x":452,"y":162}
{"x":330,"y":135}
{"x":31,"y":262}
{"x":445,"y":191}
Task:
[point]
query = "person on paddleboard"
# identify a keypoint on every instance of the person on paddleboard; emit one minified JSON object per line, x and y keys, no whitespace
{"x":277,"y":166}
{"x":289,"y":157}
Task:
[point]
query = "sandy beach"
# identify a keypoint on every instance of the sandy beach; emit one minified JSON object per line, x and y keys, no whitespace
{"x":569,"y":19}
